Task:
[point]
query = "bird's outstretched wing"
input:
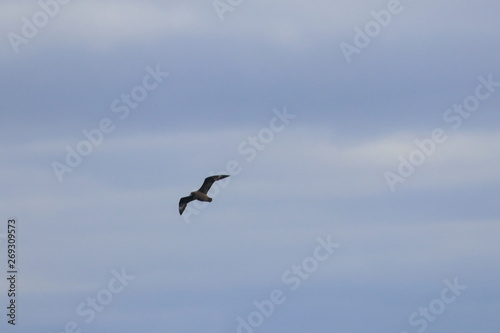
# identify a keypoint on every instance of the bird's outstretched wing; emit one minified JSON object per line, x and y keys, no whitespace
{"x":183,"y":203}
{"x":209,"y":181}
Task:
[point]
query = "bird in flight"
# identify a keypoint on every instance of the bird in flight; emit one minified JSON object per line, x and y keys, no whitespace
{"x":201,"y":194}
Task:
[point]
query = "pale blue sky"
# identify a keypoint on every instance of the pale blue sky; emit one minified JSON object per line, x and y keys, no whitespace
{"x":319,"y":172}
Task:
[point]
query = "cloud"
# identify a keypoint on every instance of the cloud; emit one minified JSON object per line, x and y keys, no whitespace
{"x":357,"y":168}
{"x":340,"y":169}
{"x":102,"y":25}
{"x":118,"y":20}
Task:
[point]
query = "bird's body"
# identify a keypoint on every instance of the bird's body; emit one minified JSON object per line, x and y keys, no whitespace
{"x":197,"y":195}
{"x":201,"y":194}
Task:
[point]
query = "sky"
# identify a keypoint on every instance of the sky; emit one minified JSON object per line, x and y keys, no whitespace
{"x":361,"y":139}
